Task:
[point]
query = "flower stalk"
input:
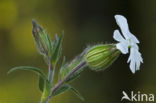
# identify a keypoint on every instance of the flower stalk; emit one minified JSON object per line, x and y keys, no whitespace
{"x":50,"y":72}
{"x":61,"y":82}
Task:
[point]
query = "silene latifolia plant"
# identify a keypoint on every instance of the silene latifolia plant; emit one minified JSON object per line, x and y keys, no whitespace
{"x":97,"y":58}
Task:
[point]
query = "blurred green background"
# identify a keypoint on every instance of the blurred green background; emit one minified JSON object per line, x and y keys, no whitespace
{"x":85,"y":22}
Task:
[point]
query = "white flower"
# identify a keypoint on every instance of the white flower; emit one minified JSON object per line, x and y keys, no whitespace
{"x":128,"y":40}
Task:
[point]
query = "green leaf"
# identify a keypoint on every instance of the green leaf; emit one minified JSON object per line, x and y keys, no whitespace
{"x":34,"y":69}
{"x":74,"y":76}
{"x":62,"y":89}
{"x":41,"y":83}
{"x":49,"y":42}
{"x":46,"y":90}
{"x":57,"y":49}
{"x":65,"y":88}
{"x":62,"y":65}
{"x":76,"y":92}
{"x":42,"y":76}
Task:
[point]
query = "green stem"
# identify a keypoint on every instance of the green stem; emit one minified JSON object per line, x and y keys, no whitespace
{"x":47,"y":90}
{"x":51,"y":73}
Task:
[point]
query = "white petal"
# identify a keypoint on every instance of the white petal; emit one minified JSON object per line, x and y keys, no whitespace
{"x":122,"y":23}
{"x":133,"y":38}
{"x":132,"y":59}
{"x":138,"y":65}
{"x":117,"y":36}
{"x":123,"y":47}
{"x":139,"y":60}
{"x":132,"y":66}
{"x":132,"y":55}
{"x":135,"y":46}
{"x":135,"y":59}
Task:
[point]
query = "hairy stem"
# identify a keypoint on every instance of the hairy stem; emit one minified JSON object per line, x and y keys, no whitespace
{"x":50,"y":79}
{"x":61,"y":82}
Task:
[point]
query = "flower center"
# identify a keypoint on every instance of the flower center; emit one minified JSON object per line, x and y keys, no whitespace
{"x":130,"y":43}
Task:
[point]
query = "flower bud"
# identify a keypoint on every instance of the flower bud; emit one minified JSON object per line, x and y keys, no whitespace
{"x":41,"y":38}
{"x":101,"y":56}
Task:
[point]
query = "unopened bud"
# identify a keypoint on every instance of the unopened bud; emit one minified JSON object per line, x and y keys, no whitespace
{"x":101,"y":56}
{"x":41,"y":38}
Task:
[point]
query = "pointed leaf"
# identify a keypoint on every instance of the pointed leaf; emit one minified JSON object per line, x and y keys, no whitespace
{"x":34,"y":69}
{"x":41,"y":84}
{"x":57,"y":50}
{"x":77,"y":93}
{"x":65,"y":88}
{"x":74,"y":76}
{"x":62,"y":65}
{"x":46,"y":90}
{"x":49,"y":42}
{"x":42,"y":76}
{"x":62,"y":89}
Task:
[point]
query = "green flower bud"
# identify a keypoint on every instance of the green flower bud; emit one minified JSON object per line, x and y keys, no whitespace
{"x":101,"y":56}
{"x":41,"y":38}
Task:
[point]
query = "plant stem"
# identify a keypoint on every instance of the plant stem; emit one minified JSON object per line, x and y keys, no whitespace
{"x":61,"y":82}
{"x":50,"y":79}
{"x":50,"y":73}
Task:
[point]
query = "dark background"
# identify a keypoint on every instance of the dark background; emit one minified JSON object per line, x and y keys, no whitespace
{"x":85,"y":22}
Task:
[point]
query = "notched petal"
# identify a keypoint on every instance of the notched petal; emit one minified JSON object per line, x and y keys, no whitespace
{"x":135,"y":59}
{"x":122,"y":23}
